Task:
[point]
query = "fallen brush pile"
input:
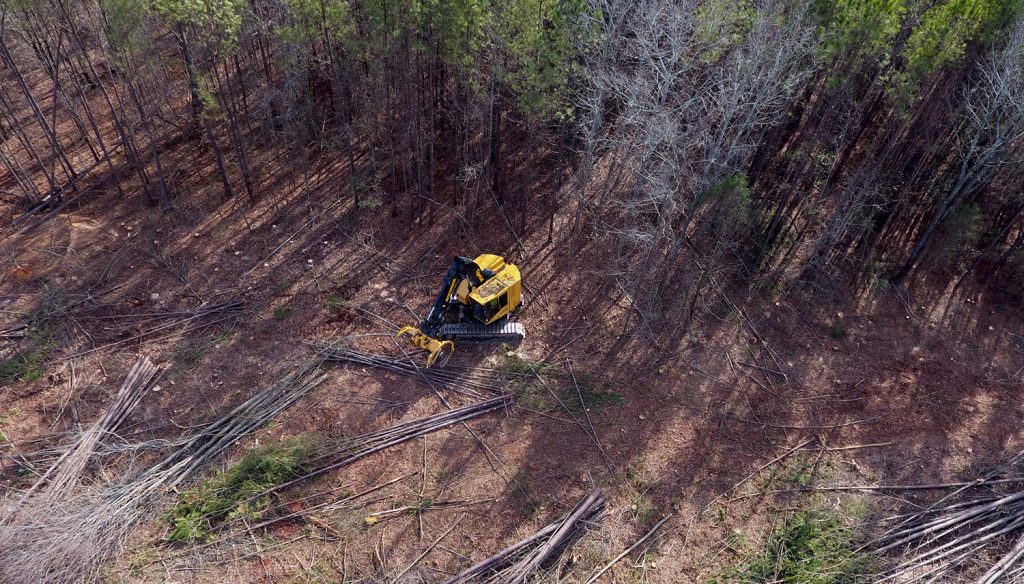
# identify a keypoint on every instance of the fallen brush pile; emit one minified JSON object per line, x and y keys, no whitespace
{"x":956,"y":533}
{"x":134,"y":327}
{"x":348,"y":451}
{"x":69,"y":540}
{"x":337,"y":454}
{"x":519,"y":562}
{"x":470,"y":383}
{"x":65,"y":473}
{"x":48,"y":456}
{"x":17,"y":331}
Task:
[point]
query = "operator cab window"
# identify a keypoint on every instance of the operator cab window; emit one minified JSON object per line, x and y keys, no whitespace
{"x":495,"y":306}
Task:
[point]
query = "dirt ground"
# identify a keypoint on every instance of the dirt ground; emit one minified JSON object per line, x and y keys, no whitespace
{"x":879,"y":391}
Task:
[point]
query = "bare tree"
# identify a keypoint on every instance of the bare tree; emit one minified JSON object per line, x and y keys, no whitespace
{"x":693,"y":101}
{"x":991,"y":135}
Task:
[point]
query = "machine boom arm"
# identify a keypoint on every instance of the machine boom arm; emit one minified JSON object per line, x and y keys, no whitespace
{"x":461,"y":268}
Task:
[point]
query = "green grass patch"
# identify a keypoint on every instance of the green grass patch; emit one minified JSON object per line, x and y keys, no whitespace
{"x":640,"y":476}
{"x":735,"y":541}
{"x":444,"y":475}
{"x":533,"y":381}
{"x":808,"y":547}
{"x":596,"y":393}
{"x":29,"y":364}
{"x":514,"y":363}
{"x":800,"y":471}
{"x":141,"y":560}
{"x":335,"y":302}
{"x":521,"y":493}
{"x":598,"y":400}
{"x":532,"y":396}
{"x":526,"y":378}
{"x":800,"y":474}
{"x":641,"y":480}
{"x":27,"y":367}
{"x":237,"y":492}
{"x":282,"y":312}
{"x":222,"y":338}
{"x":642,"y":509}
{"x":520,"y":486}
{"x":45,"y":327}
{"x":422,"y":504}
{"x":189,"y":354}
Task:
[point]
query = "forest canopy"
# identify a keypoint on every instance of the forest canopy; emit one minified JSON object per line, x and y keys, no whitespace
{"x":834,"y":146}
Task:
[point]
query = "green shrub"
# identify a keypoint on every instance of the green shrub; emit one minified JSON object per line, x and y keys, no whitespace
{"x":371,"y":201}
{"x":237,"y":492}
{"x":963,"y":230}
{"x":335,"y":302}
{"x":282,"y":312}
{"x":808,"y":547}
{"x":731,"y":198}
{"x":28,"y":365}
{"x":837,"y":330}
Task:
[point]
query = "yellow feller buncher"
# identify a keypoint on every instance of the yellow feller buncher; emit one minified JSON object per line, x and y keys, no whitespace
{"x":476,"y":300}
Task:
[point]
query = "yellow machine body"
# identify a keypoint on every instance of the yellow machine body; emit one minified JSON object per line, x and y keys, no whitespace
{"x":500,"y":293}
{"x":488,"y":289}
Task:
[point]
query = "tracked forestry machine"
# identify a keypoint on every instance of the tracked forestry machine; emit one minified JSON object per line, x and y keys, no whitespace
{"x":476,"y":301}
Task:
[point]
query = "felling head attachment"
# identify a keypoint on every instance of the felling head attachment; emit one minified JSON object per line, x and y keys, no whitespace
{"x":440,"y":351}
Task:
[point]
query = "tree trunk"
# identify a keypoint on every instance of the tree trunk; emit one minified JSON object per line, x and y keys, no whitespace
{"x":196,"y":100}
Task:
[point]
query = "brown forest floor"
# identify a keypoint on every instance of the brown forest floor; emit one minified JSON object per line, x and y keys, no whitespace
{"x":928,"y":388}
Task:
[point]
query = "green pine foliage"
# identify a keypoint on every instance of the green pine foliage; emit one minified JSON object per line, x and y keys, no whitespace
{"x":458,"y":29}
{"x":733,"y":195}
{"x":945,"y":30}
{"x":461,"y":27}
{"x":539,"y":39}
{"x":936,"y":35}
{"x":863,"y":29}
{"x":124,"y":28}
{"x":312,"y":20}
{"x":722,"y":24}
{"x":218,"y":20}
{"x":238,"y":492}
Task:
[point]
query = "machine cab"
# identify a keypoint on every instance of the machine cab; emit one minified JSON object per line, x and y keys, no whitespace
{"x":498,"y":295}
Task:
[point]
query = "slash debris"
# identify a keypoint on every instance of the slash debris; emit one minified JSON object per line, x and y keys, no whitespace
{"x":69,"y":541}
{"x":520,"y":561}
